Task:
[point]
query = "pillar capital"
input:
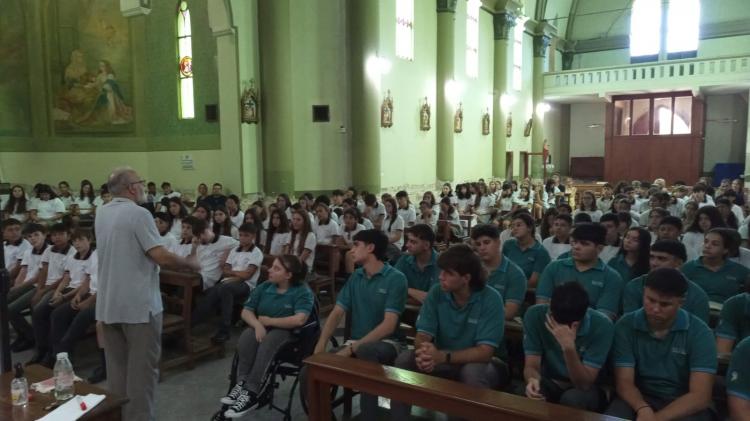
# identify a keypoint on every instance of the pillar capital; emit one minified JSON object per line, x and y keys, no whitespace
{"x":541,"y":42}
{"x":446,"y":6}
{"x":503,"y":23}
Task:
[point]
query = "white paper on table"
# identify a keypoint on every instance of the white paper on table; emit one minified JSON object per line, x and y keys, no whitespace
{"x":48,"y":385}
{"x":71,"y":410}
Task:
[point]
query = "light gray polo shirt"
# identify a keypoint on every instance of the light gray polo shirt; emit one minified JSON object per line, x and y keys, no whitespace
{"x":128,"y":280}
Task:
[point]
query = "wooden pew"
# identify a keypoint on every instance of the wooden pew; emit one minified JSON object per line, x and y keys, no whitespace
{"x":326,"y":265}
{"x":450,"y":397}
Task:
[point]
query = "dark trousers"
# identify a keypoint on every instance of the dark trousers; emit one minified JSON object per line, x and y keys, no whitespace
{"x":587,"y":400}
{"x":222,"y":297}
{"x":18,"y":301}
{"x":619,"y":408}
{"x":68,"y":326}
{"x":40,"y":319}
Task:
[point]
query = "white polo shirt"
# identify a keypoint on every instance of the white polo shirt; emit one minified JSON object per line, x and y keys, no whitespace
{"x":242,"y":260}
{"x":91,"y":270}
{"x":279,"y":240}
{"x":310,"y":243}
{"x":55,"y":260}
{"x":85,"y":205}
{"x":555,"y":249}
{"x":33,"y":262}
{"x":210,"y":257}
{"x":14,"y":253}
{"x":325,"y":233}
{"x":409,"y":215}
{"x":398,"y":225}
{"x":77,"y":269}
{"x":48,"y":209}
{"x":348,"y":236}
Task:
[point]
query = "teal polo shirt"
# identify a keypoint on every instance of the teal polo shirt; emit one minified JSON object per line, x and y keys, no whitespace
{"x":621,"y":266}
{"x":593,"y":341}
{"x":266,"y":300}
{"x":738,"y":374}
{"x":508,"y":279}
{"x":729,"y":280}
{"x":370,"y":298}
{"x":603,"y":284}
{"x":734,"y":323}
{"x":418,"y":278}
{"x":663,"y":366}
{"x":696,"y":300}
{"x":480,"y":321}
{"x":533,"y":259}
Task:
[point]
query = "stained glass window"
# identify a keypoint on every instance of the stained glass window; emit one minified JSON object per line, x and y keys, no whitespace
{"x":185,"y":60}
{"x":405,"y":29}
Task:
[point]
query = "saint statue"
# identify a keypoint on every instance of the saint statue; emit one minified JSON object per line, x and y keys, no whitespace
{"x":386,"y":111}
{"x":250,"y":104}
{"x":424,"y":116}
{"x":486,"y":122}
{"x":509,"y":125}
{"x":458,"y":119}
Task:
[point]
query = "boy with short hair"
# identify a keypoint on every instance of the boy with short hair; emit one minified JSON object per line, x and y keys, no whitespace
{"x":734,"y":322}
{"x":19,"y":296}
{"x":14,"y":246}
{"x":670,"y":228}
{"x":559,"y":243}
{"x":419,"y":263}
{"x":565,"y":344}
{"x":212,"y":251}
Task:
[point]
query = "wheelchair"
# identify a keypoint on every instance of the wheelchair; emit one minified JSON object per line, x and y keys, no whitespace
{"x":287,"y":362}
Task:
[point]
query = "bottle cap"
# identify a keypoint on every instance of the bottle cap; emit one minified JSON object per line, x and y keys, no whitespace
{"x":19,"y":370}
{"x":62,"y":355}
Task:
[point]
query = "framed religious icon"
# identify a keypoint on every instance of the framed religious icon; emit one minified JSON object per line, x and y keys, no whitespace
{"x":424,"y":116}
{"x":527,"y":129}
{"x":458,"y":119}
{"x":486,"y":123}
{"x":386,"y":111}
{"x":249,"y":103}
{"x":509,"y":125}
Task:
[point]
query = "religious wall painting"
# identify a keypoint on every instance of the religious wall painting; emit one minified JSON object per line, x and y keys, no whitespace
{"x":386,"y":111}
{"x":527,"y":129}
{"x":15,"y":101}
{"x":458,"y":119}
{"x":424,"y":116}
{"x":509,"y":125}
{"x":486,"y":122}
{"x":90,"y":62}
{"x":249,"y":104}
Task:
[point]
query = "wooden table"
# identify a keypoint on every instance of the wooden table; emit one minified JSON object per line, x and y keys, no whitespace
{"x":109,"y":409}
{"x":325,"y":370}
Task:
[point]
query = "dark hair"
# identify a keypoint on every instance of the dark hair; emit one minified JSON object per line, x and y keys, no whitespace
{"x":14,"y":205}
{"x":58,"y":228}
{"x":32,"y":228}
{"x":183,"y":213}
{"x":354,"y":213}
{"x":377,"y":238}
{"x":460,"y":195}
{"x":90,"y":195}
{"x":624,"y":217}
{"x":610,"y":217}
{"x":224,"y":228}
{"x":337,"y":192}
{"x":303,"y":233}
{"x":217,"y":184}
{"x":730,"y":238}
{"x":672,"y":247}
{"x":565,"y":217}
{"x":323,"y":199}
{"x":485,"y":230}
{"x":283,"y":228}
{"x":432,"y":201}
{"x":295,"y":266}
{"x":45,"y":188}
{"x":287,"y":200}
{"x":564,"y":206}
{"x":236,"y":200}
{"x":712,"y":213}
{"x":205,"y":208}
{"x":545,"y":226}
{"x":257,"y":220}
{"x":527,"y":219}
{"x":165,"y":184}
{"x":447,"y":201}
{"x":248,"y":228}
{"x":164,"y":217}
{"x":462,"y":260}
{"x":370,"y":199}
{"x":328,"y":212}
{"x":641,"y":265}
{"x":667,"y":281}
{"x":582,"y":218}
{"x":593,"y":201}
{"x":422,"y":231}
{"x":394,"y":211}
{"x":81,"y":233}
{"x":673,"y":221}
{"x":10,"y":222}
{"x":658,"y":211}
{"x":569,"y":303}
{"x":197,"y":225}
{"x":450,"y":191}
{"x":589,"y":231}
{"x":731,"y":220}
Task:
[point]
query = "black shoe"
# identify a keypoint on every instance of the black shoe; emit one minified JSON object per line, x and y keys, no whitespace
{"x":99,"y":375}
{"x":38,"y":358}
{"x":220,"y":338}
{"x":246,"y":402}
{"x":233,"y":394}
{"x":20,"y":345}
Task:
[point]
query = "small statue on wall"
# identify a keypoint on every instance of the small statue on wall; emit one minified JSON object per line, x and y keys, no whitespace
{"x":527,"y":129}
{"x":424,"y":116}
{"x":509,"y":125}
{"x":486,"y":122}
{"x":249,"y":102}
{"x":386,"y":111}
{"x":458,"y":119}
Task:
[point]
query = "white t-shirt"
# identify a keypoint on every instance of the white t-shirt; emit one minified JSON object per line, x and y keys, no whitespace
{"x":462,"y":204}
{"x":242,"y":260}
{"x":181,"y":249}
{"x":409,"y":215}
{"x":56,"y":263}
{"x":238,"y":219}
{"x":278,"y":242}
{"x":693,"y":242}
{"x":67,"y":201}
{"x":14,"y":253}
{"x":506,"y":204}
{"x":325,"y":233}
{"x":91,"y":271}
{"x":608,"y":252}
{"x":484,"y":205}
{"x":169,"y":241}
{"x":505,"y":236}
{"x":526,"y":204}
{"x":368,"y":224}
{"x":348,"y":236}
{"x":595,"y":215}
{"x":84,"y":205}
{"x":310,"y":243}
{"x":398,"y":225}
{"x":737,"y":211}
{"x":48,"y":209}
{"x":432,"y":220}
{"x":33,"y":263}
{"x":77,"y":269}
{"x":555,"y":249}
{"x":376,"y":212}
{"x":210,"y":257}
{"x":603,"y":204}
{"x":176,"y":229}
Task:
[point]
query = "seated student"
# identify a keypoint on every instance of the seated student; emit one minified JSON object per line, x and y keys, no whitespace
{"x":612,"y":242}
{"x":202,"y":212}
{"x":666,"y":254}
{"x":253,"y":217}
{"x":84,"y":202}
{"x":604,"y":203}
{"x":565,"y":344}
{"x":104,"y":197}
{"x":277,"y":235}
{"x":657,"y":200}
{"x":393,"y":227}
{"x":670,"y":228}
{"x":632,"y":259}
{"x":720,"y":277}
{"x":277,"y":306}
{"x":177,"y":210}
{"x":217,"y":198}
{"x":603,"y":283}
{"x":503,"y":275}
{"x":738,"y":382}
{"x":47,"y":208}
{"x":349,"y":227}
{"x":184,"y":247}
{"x":233,"y":208}
{"x":167,"y":192}
{"x":14,"y":246}
{"x":374,"y":210}
{"x":64,"y":194}
{"x":588,"y":206}
{"x":449,"y":222}
{"x":706,"y":219}
{"x":19,"y":296}
{"x":459,"y":327}
{"x":239,"y":276}
{"x":164,"y":226}
{"x":16,"y":205}
{"x":734,"y":322}
{"x":211,"y":250}
{"x":302,"y":240}
{"x":66,"y":272}
{"x":375,"y":294}
{"x":427,"y":215}
{"x":524,"y":250}
{"x":559,"y":243}
{"x":665,"y":358}
{"x":325,"y":228}
{"x":419,"y":263}
{"x":222,"y":224}
{"x":405,"y":209}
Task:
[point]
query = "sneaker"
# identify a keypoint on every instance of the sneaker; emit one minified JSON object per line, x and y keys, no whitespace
{"x":233,"y":394}
{"x":246,"y":402}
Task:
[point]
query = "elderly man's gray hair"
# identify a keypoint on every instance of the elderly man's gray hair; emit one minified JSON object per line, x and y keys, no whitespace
{"x":120,"y":179}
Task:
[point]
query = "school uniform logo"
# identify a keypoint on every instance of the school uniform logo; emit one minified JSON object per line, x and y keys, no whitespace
{"x":287,"y":306}
{"x":679,"y":351}
{"x":599,"y":284}
{"x":473,"y":321}
{"x":382,"y":291}
{"x":734,"y":376}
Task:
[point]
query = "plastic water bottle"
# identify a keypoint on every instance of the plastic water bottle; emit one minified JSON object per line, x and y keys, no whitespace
{"x":64,"y":377}
{"x":19,"y":388}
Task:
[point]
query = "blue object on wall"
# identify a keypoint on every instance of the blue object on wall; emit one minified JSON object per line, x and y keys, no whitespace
{"x":730,"y":170}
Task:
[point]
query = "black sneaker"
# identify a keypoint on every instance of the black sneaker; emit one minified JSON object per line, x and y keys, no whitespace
{"x":246,"y":402}
{"x":233,"y":394}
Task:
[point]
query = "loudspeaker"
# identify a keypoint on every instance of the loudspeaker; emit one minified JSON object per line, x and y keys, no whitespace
{"x":321,"y":113}
{"x":212,"y":113}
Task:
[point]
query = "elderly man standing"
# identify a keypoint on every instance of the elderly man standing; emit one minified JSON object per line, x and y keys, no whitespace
{"x":128,"y":303}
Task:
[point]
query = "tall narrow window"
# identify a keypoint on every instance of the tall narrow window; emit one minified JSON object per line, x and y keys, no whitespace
{"x":472,"y":38}
{"x":645,"y":28}
{"x":518,"y":53}
{"x":683,"y":25}
{"x":405,"y":29}
{"x":185,"y":60}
